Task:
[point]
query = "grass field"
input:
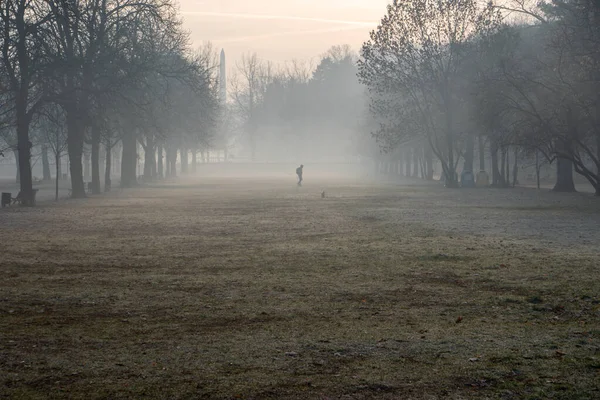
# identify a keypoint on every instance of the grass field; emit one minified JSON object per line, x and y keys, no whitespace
{"x":235,"y":289}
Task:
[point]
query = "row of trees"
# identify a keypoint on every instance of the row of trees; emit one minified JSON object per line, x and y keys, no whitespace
{"x":97,"y":73}
{"x":299,"y":111}
{"x":438,"y":77}
{"x":443,"y":74}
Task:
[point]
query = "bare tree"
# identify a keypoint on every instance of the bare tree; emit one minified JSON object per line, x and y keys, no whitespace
{"x":551,"y":88}
{"x":414,"y":58}
{"x":51,"y":123}
{"x":249,"y":85}
{"x":22,"y":66}
{"x":102,"y":49}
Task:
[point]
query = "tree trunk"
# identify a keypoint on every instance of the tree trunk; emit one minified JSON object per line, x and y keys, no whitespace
{"x":117,"y":153}
{"x":25,"y":177}
{"x":160,"y":172}
{"x":194,"y":161}
{"x":503,"y":166}
{"x":481,"y":153}
{"x":415,"y":172}
{"x":154,"y":169}
{"x":429,"y":162}
{"x":496,"y":176}
{"x":598,"y":151}
{"x":469,"y":153}
{"x":507,"y":166}
{"x":75,"y":137}
{"x":451,"y":180}
{"x":149,"y":153}
{"x":516,"y":168}
{"x":407,"y":171}
{"x":47,"y":175}
{"x":57,"y":159}
{"x":18,"y":177}
{"x":174,"y":162}
{"x":537,"y":168}
{"x":184,"y":160}
{"x":138,"y":166}
{"x":129,"y":161}
{"x":101,"y":159}
{"x":86,"y":165}
{"x":564,"y":176}
{"x":168,"y":162}
{"x":20,"y":37}
{"x":107,"y":167}
{"x":400,"y":165}
{"x":96,"y":138}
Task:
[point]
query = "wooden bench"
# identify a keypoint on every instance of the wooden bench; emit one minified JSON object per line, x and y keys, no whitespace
{"x":19,"y":199}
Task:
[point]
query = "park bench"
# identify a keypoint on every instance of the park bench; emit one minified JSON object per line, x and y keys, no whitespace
{"x":8,"y":200}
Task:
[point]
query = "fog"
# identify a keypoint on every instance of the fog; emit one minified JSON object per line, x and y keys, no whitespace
{"x":345,"y":199}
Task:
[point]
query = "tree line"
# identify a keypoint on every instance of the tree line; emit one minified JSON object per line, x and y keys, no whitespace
{"x":299,"y":110}
{"x":442,"y":75}
{"x":436,"y":84}
{"x":78,"y":74}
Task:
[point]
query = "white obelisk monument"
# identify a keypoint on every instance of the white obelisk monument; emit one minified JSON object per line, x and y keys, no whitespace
{"x":223,"y":78}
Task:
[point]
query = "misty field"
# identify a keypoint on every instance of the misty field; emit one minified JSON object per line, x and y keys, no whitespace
{"x":257,"y":289}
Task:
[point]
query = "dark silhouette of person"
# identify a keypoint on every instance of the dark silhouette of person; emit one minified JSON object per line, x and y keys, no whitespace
{"x":299,"y":173}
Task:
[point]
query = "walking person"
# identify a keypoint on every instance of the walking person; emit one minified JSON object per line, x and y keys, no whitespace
{"x":299,"y":173}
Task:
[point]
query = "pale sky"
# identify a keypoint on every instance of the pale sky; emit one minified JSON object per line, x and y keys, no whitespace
{"x":281,"y":30}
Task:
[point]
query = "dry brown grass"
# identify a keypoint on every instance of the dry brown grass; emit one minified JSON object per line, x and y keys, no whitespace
{"x":258,"y":290}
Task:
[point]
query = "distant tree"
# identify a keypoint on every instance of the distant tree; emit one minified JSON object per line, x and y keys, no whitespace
{"x":249,"y":86}
{"x":313,"y":113}
{"x":107,"y":49}
{"x":203,"y":114}
{"x":51,"y":124}
{"x":491,"y":110}
{"x":413,"y":61}
{"x":22,"y":66}
{"x":551,"y":85}
{"x":336,"y":101}
{"x":575,"y":42}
